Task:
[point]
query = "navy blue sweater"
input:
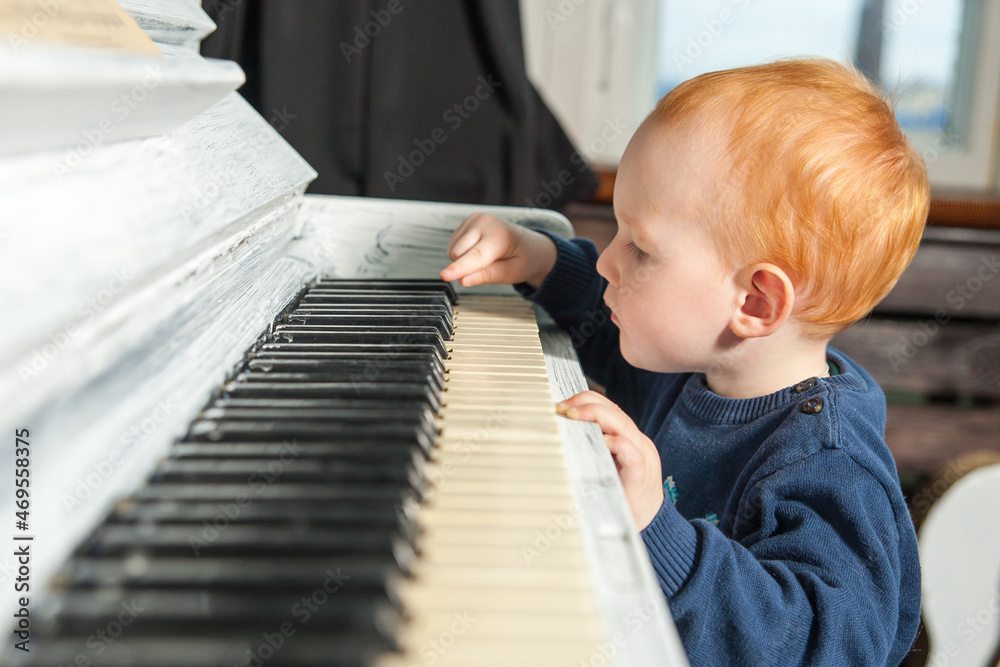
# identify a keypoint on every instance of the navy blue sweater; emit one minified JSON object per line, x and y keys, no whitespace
{"x":784,"y":538}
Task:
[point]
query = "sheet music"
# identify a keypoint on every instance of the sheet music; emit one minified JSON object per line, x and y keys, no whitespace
{"x":97,"y":23}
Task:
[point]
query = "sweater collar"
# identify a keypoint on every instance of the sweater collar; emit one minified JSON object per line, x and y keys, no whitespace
{"x":708,"y":406}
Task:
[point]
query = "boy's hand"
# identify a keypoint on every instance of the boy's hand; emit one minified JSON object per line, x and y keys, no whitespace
{"x":635,"y":455}
{"x":485,"y":249}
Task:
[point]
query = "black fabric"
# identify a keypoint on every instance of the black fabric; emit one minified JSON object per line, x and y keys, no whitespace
{"x":412,"y":99}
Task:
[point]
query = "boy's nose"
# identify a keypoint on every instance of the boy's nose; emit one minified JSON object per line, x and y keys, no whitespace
{"x":605,"y":266}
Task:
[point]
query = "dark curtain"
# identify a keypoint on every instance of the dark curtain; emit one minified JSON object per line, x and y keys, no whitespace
{"x":412,"y":99}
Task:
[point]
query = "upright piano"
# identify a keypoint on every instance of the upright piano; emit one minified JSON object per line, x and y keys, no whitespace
{"x":162,"y":267}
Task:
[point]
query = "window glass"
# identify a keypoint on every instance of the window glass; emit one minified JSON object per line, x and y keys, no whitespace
{"x":920,"y":51}
{"x":917,"y":58}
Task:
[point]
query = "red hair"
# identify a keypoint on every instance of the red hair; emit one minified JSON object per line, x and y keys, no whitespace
{"x":822,"y":182}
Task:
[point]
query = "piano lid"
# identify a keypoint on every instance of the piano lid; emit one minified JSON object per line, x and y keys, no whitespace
{"x":134,"y":281}
{"x":137,"y":254}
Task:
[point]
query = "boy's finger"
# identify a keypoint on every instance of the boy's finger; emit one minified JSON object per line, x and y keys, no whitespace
{"x":480,"y":277}
{"x":474,"y":259}
{"x":624,"y":450}
{"x":583,"y":398}
{"x":462,"y":240}
{"x":609,"y":417}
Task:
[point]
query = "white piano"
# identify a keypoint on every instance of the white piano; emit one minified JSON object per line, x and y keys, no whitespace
{"x":152,"y":225}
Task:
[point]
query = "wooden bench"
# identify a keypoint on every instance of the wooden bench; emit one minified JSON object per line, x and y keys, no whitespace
{"x":934,"y":346}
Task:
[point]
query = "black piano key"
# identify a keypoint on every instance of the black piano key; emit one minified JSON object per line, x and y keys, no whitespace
{"x":396,"y":297}
{"x":294,"y":471}
{"x":378,"y":576}
{"x":438,"y":311}
{"x":389,"y":284}
{"x":400,"y":339}
{"x":333,"y":333}
{"x":246,"y":540}
{"x":324,"y":404}
{"x":272,"y":431}
{"x":390,"y":516}
{"x":299,"y":649}
{"x":371,"y":320}
{"x":417,"y":416}
{"x":362,"y":365}
{"x":377,"y":354}
{"x":315,"y":453}
{"x":348,"y":375}
{"x":372,"y":578}
{"x":344,"y":612}
{"x":342,"y":390}
{"x":331,"y":308}
{"x":299,"y":493}
{"x":305,"y":449}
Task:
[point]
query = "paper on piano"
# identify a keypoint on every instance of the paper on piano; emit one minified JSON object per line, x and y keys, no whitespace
{"x":96,"y":23}
{"x":54,"y":95}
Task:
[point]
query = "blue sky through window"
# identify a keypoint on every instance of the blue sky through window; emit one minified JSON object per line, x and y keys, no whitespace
{"x":919,"y":51}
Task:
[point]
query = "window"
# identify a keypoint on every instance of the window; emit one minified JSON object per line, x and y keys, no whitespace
{"x":940,"y":57}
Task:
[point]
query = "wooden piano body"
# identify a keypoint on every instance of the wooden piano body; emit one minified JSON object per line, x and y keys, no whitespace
{"x":140,"y":263}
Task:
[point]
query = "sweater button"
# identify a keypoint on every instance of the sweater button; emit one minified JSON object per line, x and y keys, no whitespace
{"x":812,"y":406}
{"x":805,"y":385}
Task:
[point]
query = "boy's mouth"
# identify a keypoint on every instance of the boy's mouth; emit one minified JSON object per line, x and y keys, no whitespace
{"x":614,"y":318}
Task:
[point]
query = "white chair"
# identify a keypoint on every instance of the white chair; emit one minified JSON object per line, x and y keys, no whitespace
{"x":959,"y":541}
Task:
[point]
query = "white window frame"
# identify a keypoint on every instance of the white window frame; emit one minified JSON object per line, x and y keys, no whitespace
{"x":971,"y":162}
{"x":593,"y":62}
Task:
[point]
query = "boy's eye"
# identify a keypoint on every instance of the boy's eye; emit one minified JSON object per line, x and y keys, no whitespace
{"x":636,"y":250}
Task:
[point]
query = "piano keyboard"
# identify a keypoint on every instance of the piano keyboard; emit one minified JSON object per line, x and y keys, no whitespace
{"x":381,"y":483}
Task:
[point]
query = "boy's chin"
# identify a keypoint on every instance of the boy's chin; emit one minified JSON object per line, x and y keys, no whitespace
{"x":640,"y":360}
{"x":646,"y":362}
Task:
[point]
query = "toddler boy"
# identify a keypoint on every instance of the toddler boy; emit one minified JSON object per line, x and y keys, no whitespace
{"x":760,"y":210}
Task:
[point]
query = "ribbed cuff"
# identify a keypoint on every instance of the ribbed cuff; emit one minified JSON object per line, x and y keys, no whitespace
{"x":672,"y":543}
{"x":571,"y":274}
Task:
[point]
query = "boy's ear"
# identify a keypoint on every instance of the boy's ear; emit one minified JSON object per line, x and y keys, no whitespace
{"x":766,"y":298}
